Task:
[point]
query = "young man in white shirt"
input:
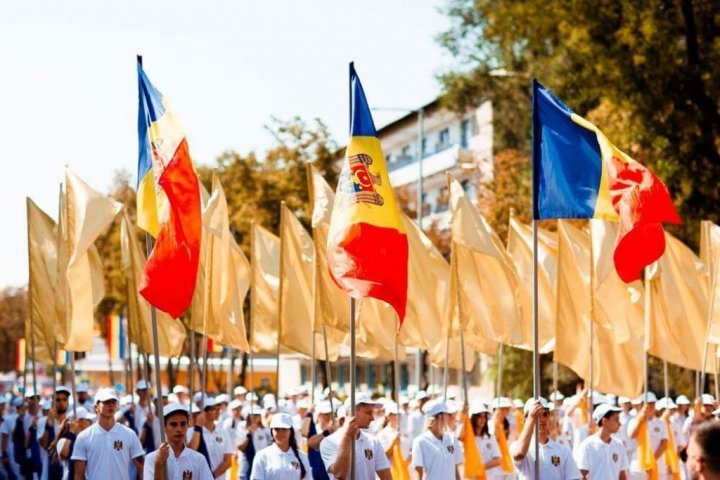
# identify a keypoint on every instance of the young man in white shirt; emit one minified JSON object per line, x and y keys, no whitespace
{"x":658,"y":437}
{"x":213,"y":440}
{"x":173,"y":456}
{"x":435,"y":454}
{"x":48,"y":428}
{"x":703,"y":452}
{"x":601,"y":456}
{"x":556,"y":461}
{"x":370,"y":458}
{"x":106,"y":448}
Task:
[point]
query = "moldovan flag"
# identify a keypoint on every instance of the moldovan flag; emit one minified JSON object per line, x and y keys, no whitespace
{"x":171,"y":334}
{"x":578,"y":173}
{"x":20,"y":357}
{"x":164,"y":159}
{"x":367,"y":247}
{"x":85,"y":214}
{"x":115,"y":337}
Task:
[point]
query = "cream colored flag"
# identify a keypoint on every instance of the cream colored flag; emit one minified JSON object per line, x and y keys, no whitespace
{"x":264,"y":294}
{"x":226,"y":276}
{"x":437,"y":355}
{"x":87,"y":214}
{"x":614,"y":363}
{"x":488,"y":304}
{"x":710,"y":256}
{"x":171,"y":333}
{"x":519,"y":248}
{"x":679,"y":302}
{"x":297,"y":276}
{"x":42,"y":282}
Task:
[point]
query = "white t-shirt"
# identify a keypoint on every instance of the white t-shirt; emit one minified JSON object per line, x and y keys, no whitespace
{"x":108,"y":453}
{"x":658,"y":433}
{"x":603,"y":461}
{"x":219,"y":444}
{"x":437,"y":456}
{"x":43,"y":453}
{"x":262,"y":438}
{"x":177,"y":468}
{"x":556,"y":463}
{"x":489,"y":449}
{"x":273,"y":464}
{"x":369,"y":454}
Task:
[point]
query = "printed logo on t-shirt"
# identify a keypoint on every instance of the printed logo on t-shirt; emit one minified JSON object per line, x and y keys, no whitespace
{"x":118,"y":445}
{"x":187,"y":475}
{"x":657,"y":429}
{"x":488,"y":445}
{"x":555,"y":460}
{"x":368,"y":454}
{"x":218,"y":439}
{"x":295,"y":465}
{"x":451,"y":449}
{"x":615,"y":457}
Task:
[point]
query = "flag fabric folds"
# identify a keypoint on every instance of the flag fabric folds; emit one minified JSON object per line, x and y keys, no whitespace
{"x":85,"y":214}
{"x":171,"y":334}
{"x":577,"y":306}
{"x":265,"y":285}
{"x":578,"y":173}
{"x":710,"y":256}
{"x":164,"y":159}
{"x":367,"y":249}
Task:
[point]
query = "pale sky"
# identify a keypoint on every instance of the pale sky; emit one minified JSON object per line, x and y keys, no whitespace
{"x":68,"y":89}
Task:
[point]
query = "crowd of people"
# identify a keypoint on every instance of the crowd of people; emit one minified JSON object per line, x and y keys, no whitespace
{"x":426,"y":437}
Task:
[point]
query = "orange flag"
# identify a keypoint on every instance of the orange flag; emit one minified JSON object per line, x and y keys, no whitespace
{"x":398,"y":465}
{"x":474,"y":466}
{"x":645,"y":453}
{"x":506,"y":462}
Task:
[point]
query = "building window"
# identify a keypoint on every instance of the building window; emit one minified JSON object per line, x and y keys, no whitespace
{"x":444,"y":139}
{"x":465,"y":133}
{"x":405,"y":153}
{"x":389,"y":158}
{"x":424,"y":147}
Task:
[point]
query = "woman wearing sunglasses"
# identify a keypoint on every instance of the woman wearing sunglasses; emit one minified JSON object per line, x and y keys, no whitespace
{"x":282,"y":460}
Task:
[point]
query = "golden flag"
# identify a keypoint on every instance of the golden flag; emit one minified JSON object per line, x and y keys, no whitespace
{"x":487,"y":303}
{"x":613,"y":362}
{"x":42,"y":281}
{"x":437,"y":354}
{"x":679,"y":302}
{"x":86,"y":214}
{"x":519,"y":248}
{"x":710,"y":256}
{"x":265,"y":284}
{"x":226,"y":275}
{"x":171,"y":334}
{"x":297,"y":276}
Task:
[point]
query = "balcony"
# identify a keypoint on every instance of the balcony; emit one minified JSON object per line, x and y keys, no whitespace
{"x":405,"y":170}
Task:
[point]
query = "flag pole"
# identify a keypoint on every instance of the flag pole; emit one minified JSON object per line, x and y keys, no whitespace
{"x":73,"y":384}
{"x":280,"y":303}
{"x":30,"y":310}
{"x":191,"y":364}
{"x":328,"y":373}
{"x":352,"y":380}
{"x":464,"y":370}
{"x":231,"y":361}
{"x":206,"y":314}
{"x":312,"y":368}
{"x":536,"y":349}
{"x":646,"y":367}
{"x":131,"y":380}
{"x":156,"y":347}
{"x":501,"y":349}
{"x":592,"y":327}
{"x":665,"y":379}
{"x":706,"y":347}
{"x":251,"y":312}
{"x":447,"y":366}
{"x":55,"y":362}
{"x":396,"y":371}
{"x":715,"y":365}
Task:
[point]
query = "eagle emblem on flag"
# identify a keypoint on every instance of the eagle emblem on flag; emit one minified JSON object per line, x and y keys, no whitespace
{"x":118,"y":445}
{"x":357,"y":182}
{"x":555,"y":460}
{"x":368,"y":454}
{"x":187,"y":475}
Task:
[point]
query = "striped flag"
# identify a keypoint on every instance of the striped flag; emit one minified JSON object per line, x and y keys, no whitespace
{"x":20,"y":358}
{"x":115,"y":337}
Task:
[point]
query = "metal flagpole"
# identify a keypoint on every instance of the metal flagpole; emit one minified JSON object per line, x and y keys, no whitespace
{"x":251,"y":310}
{"x":592,"y":328}
{"x":191,"y":365}
{"x":73,"y":385}
{"x":421,"y":134}
{"x":555,"y":374}
{"x":447,"y":367}
{"x":206,"y":314}
{"x":501,"y":350}
{"x":464,"y":371}
{"x":396,"y":372}
{"x":665,"y":379}
{"x":706,"y":347}
{"x":30,"y":310}
{"x":352,"y":379}
{"x":328,"y":374}
{"x":648,"y":286}
{"x":536,"y":349}
{"x":130,"y":386}
{"x":313,"y":380}
{"x":231,"y":361}
{"x":55,"y":362}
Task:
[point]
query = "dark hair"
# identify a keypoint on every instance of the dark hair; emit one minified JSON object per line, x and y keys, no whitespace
{"x":707,"y":437}
{"x":484,"y":430}
{"x":176,"y":412}
{"x":294,"y":447}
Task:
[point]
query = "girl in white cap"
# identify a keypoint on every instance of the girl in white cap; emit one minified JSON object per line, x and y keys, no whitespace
{"x":485,"y":442}
{"x":282,"y":460}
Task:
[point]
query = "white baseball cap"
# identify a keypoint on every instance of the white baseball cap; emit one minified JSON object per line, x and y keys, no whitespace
{"x":501,"y":402}
{"x":82,"y":388}
{"x":142,"y":385}
{"x":477,"y":408}
{"x":45,"y":404}
{"x":435,"y":407}
{"x":623,"y":400}
{"x":30,"y":392}
{"x":222,"y":398}
{"x":324,"y":407}
{"x":682,"y":400}
{"x":421,"y":394}
{"x":178,"y":389}
{"x":517,"y":403}
{"x":105,"y":395}
{"x":281,"y":420}
{"x":234,"y":404}
{"x":209,"y":403}
{"x":556,"y":396}
{"x":531,"y":402}
{"x":194,"y":408}
{"x":81,"y":413}
{"x":171,"y":408}
{"x":649,"y":397}
{"x":362,"y":398}
{"x":63,"y":389}
{"x":602,"y":410}
{"x":240,"y":390}
{"x":705,"y":399}
{"x":18,"y":402}
{"x":665,"y":403}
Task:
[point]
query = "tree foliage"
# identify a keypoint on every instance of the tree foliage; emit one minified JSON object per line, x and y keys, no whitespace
{"x":13,"y":311}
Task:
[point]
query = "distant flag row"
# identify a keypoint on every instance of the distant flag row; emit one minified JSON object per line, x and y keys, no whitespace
{"x":115,"y":336}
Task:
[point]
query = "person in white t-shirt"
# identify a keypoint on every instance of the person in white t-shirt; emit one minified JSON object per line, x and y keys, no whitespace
{"x":282,"y":460}
{"x":48,"y":428}
{"x":212,"y":440}
{"x":252,"y":437}
{"x":106,"y":449}
{"x":435,"y":454}
{"x":601,"y":456}
{"x":370,"y":458}
{"x":486,"y":443}
{"x":555,"y":460}
{"x":658,"y":437}
{"x":173,"y":460}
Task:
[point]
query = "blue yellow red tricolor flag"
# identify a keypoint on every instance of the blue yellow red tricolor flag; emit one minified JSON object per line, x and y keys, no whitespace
{"x":578,"y":173}
{"x":367,"y":245}
{"x":115,"y":337}
{"x":168,"y":203}
{"x":20,"y":358}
